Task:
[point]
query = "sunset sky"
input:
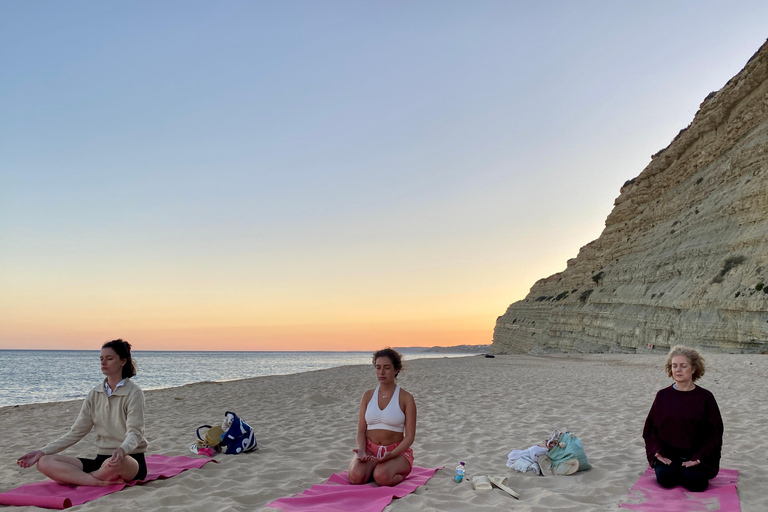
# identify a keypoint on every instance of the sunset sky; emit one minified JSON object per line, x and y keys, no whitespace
{"x":325,"y":175}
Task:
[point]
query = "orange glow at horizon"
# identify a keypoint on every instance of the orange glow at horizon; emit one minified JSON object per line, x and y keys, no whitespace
{"x":360,"y":337}
{"x":428,"y":313}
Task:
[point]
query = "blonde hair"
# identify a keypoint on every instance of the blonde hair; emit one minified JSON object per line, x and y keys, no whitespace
{"x":697,"y":362}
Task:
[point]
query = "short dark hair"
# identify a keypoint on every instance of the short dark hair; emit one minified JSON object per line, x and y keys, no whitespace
{"x":393,"y":355}
{"x":123,"y":351}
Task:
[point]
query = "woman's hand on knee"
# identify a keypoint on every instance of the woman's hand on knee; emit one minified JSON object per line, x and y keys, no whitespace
{"x":117,"y":458}
{"x":30,"y":459}
{"x":691,"y":463}
{"x":663,"y":459}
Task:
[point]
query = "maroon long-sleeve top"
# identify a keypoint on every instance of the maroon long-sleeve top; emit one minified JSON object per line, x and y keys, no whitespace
{"x":685,"y":424}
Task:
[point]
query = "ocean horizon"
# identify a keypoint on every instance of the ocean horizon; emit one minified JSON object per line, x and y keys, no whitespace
{"x":32,"y":376}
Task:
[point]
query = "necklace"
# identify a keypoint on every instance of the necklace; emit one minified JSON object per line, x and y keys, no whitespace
{"x":384,"y":396}
{"x":387,"y":396}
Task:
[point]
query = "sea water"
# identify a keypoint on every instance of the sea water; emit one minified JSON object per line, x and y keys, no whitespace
{"x":36,"y":376}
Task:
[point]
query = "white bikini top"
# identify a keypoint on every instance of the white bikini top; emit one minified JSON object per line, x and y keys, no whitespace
{"x":391,"y":418}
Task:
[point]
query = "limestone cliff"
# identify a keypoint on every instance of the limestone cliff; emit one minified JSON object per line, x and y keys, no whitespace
{"x":683,"y":258}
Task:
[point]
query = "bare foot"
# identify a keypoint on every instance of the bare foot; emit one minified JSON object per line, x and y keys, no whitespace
{"x":106,"y":483}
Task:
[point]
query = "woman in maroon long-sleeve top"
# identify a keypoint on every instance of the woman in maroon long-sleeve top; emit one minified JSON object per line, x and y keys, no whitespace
{"x":684,"y":431}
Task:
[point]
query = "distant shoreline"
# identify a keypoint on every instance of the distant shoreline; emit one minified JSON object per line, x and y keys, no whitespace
{"x":457,"y":349}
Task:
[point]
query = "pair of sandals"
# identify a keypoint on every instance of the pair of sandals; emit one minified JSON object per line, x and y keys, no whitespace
{"x":486,"y":483}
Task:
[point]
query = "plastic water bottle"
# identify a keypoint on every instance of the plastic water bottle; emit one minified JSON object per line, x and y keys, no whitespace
{"x":459,"y":473}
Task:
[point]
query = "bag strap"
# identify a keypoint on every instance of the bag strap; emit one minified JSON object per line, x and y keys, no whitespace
{"x":198,"y":431}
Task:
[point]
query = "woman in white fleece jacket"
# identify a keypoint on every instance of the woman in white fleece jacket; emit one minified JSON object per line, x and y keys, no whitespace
{"x":115,"y":408}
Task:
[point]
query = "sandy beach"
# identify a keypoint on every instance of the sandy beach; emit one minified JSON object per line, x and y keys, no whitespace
{"x":470,"y":409}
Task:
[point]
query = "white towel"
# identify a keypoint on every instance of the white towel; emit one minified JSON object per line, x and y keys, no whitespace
{"x":533,"y":453}
{"x":228,"y":419}
{"x":525,"y":464}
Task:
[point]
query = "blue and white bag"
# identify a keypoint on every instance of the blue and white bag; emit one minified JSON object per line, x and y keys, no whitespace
{"x":238,"y":436}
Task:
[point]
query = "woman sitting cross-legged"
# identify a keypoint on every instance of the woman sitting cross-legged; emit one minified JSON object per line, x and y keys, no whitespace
{"x":386,"y":427}
{"x":115,"y":408}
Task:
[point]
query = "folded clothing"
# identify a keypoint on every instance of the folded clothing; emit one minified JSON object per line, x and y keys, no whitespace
{"x":524,"y":464}
{"x":526,"y":460}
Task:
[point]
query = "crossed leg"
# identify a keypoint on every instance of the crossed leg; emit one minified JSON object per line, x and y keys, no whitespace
{"x":69,"y":470}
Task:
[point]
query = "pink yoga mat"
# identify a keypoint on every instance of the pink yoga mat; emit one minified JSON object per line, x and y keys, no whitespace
{"x":49,"y":494}
{"x":648,"y":496}
{"x":338,"y":495}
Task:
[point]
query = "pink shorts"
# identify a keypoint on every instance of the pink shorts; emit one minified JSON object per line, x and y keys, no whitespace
{"x":379,"y":451}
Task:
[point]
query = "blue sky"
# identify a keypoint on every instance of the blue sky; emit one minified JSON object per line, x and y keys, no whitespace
{"x":325,"y":174}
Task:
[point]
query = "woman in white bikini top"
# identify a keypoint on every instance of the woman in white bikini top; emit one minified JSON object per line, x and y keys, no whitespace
{"x":386,"y":427}
{"x":391,"y":417}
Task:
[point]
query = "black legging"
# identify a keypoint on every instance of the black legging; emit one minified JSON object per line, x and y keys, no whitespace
{"x":693,"y":478}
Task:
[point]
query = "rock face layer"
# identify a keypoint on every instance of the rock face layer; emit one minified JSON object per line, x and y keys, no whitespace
{"x":683,"y":258}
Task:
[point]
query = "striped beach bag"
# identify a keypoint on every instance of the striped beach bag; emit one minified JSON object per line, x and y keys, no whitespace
{"x":569,"y":447}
